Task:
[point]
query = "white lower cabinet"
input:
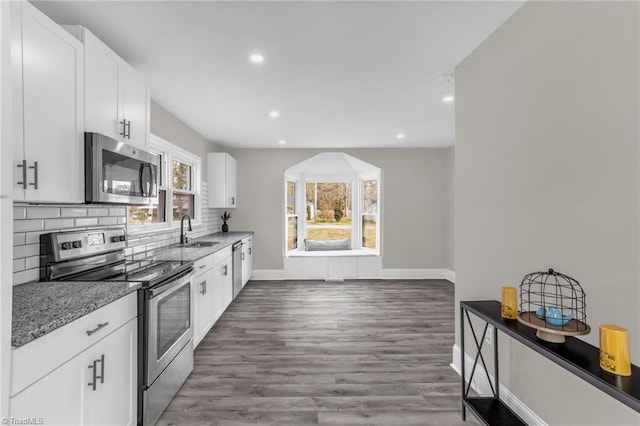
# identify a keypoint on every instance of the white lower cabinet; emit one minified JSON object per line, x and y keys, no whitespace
{"x":247,"y":260}
{"x":96,"y":387}
{"x":226,"y":278}
{"x":212,"y":291}
{"x":203,"y":294}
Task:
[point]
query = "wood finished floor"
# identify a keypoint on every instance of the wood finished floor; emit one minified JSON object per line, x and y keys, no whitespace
{"x":316,"y":353}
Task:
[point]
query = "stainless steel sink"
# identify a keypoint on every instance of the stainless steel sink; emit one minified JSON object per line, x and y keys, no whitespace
{"x":198,"y":244}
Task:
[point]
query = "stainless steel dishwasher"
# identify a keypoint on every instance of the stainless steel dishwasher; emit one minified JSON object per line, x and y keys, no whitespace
{"x":237,"y":268}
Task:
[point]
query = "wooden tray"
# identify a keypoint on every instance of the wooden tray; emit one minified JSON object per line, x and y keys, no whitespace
{"x":552,"y":333}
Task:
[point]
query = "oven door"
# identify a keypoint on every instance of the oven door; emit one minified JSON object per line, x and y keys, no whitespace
{"x":118,"y":173}
{"x":169,"y":326}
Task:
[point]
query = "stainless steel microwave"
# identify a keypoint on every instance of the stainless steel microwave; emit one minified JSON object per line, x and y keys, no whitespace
{"x":118,"y":173}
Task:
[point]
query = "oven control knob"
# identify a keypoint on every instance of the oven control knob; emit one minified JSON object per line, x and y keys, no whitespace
{"x":65,"y":245}
{"x":122,"y":238}
{"x":114,"y":239}
{"x":77,"y":244}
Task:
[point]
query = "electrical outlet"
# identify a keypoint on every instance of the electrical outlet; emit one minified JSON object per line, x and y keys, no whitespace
{"x":488,"y":338}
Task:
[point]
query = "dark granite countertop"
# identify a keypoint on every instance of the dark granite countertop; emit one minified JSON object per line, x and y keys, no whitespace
{"x":41,"y":307}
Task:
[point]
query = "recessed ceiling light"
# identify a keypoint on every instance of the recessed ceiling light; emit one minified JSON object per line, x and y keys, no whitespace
{"x":274,"y":113}
{"x":282,"y":142}
{"x":256,"y":58}
{"x":447,"y":99}
{"x":400,"y":136}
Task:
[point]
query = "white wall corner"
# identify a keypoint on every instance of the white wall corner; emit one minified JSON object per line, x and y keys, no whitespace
{"x":480,"y":384}
{"x":451,"y":276}
{"x":268,"y":274}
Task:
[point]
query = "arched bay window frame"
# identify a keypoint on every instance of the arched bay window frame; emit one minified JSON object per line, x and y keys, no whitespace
{"x":366,"y":201}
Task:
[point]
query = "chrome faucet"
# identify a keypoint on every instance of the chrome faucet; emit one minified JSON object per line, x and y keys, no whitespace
{"x":183,"y":235}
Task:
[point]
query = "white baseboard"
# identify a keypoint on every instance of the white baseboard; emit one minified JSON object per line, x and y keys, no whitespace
{"x":417,"y":273}
{"x":413,"y":273}
{"x":480,"y":384}
{"x":268,"y":274}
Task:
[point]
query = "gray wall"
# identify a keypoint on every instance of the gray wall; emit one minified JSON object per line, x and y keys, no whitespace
{"x":414,"y":214}
{"x":450,"y":200}
{"x":171,"y":128}
{"x":547,"y":175}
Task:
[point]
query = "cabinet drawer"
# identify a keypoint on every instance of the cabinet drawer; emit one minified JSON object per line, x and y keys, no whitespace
{"x":203,"y":264}
{"x":41,"y":356}
{"x":221,"y":255}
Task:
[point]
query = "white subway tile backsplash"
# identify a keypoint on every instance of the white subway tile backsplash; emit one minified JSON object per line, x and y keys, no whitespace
{"x":42,"y":212}
{"x":86,"y":221}
{"x":26,"y":276}
{"x":26,"y":251}
{"x":32,"y":237}
{"x":98,"y":212}
{"x":54,"y":224}
{"x":107,"y":220}
{"x":32,"y":262}
{"x":28,"y":225}
{"x":117,"y":211}
{"x":19,"y":238}
{"x":19,"y":265}
{"x":19,"y":213}
{"x":31,"y":221}
{"x":73,"y":212}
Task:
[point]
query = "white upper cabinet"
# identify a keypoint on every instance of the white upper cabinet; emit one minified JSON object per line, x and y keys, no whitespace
{"x":48,"y":109}
{"x":221,"y":173}
{"x":117,"y":101}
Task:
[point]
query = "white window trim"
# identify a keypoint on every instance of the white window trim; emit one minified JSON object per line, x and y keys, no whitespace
{"x":356,"y":182}
{"x":172,"y":152}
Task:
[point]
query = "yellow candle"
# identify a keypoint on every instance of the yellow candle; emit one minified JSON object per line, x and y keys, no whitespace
{"x":614,"y":349}
{"x":509,"y":302}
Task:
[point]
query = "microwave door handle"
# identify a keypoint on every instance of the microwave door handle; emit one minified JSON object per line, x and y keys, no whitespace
{"x":151,"y":180}
{"x":140,"y":179}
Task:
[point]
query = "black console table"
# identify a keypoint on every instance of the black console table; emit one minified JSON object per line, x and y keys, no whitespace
{"x":575,"y":355}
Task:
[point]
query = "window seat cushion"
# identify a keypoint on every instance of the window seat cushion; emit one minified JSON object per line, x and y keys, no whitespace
{"x":326,"y":245}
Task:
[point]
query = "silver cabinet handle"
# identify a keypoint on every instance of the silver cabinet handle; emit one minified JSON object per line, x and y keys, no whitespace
{"x":203,"y":284}
{"x":24,"y":174}
{"x":128,"y":130}
{"x":101,"y":376}
{"x":233,"y":201}
{"x":242,"y":255}
{"x":93,"y":382}
{"x":249,"y":250}
{"x":100,"y":326}
{"x":94,"y":367}
{"x":124,"y":128}
{"x":35,"y":175}
{"x":202,"y":266}
{"x":226,"y":270}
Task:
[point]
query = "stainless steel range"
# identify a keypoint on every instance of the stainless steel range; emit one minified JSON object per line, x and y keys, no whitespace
{"x":165,"y":349}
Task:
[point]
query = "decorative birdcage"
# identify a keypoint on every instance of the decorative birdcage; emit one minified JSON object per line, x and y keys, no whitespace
{"x":553,"y":304}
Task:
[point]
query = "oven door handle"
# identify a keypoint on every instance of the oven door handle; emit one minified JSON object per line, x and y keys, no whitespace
{"x":175,"y":281}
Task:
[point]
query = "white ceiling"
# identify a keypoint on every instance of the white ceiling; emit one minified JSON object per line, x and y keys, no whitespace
{"x":341,"y":74}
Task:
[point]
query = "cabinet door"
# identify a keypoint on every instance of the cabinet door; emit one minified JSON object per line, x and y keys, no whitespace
{"x":52,"y":121}
{"x":101,"y":89}
{"x":135,"y":107}
{"x":203,"y":306}
{"x":57,"y":398}
{"x":250,"y":260}
{"x":227,"y":283}
{"x":231,"y":181}
{"x":218,"y":297}
{"x":114,"y":400}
